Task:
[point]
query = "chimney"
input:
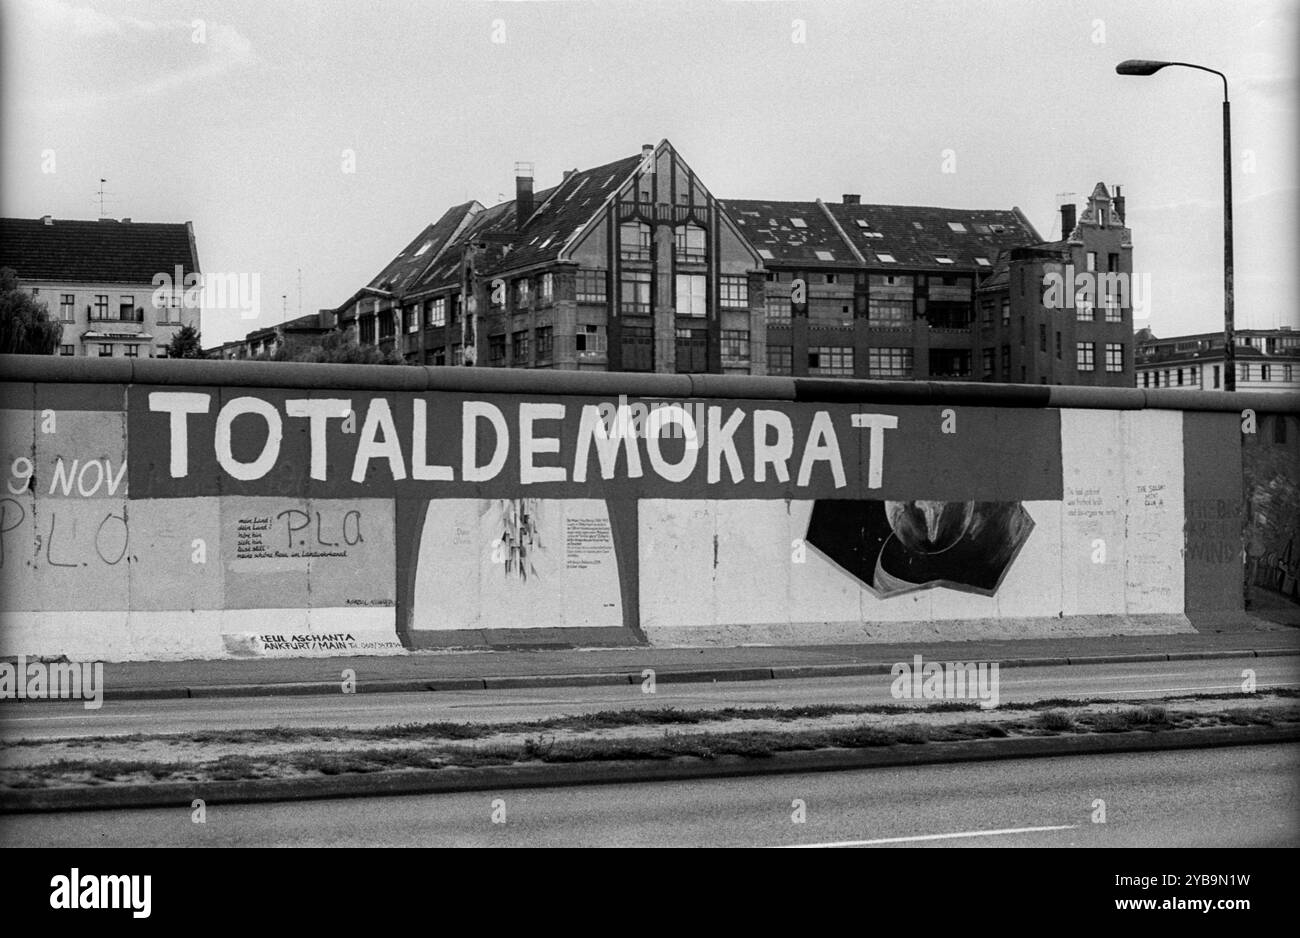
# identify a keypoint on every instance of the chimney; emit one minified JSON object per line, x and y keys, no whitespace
{"x":523,"y":193}
{"x":852,"y":198}
{"x":1119,"y":205}
{"x":47,"y":219}
{"x":1067,"y":219}
{"x":126,"y":221}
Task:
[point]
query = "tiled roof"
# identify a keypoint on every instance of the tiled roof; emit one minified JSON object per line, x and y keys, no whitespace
{"x":916,"y":236}
{"x":790,"y":232}
{"x":404,"y":270}
{"x":562,"y":211}
{"x":104,"y":251}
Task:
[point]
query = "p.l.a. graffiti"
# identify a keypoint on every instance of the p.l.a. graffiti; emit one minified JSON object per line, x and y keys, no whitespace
{"x":63,"y":544}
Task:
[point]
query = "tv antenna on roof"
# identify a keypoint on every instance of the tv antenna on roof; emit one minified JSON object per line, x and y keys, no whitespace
{"x":99,"y":194}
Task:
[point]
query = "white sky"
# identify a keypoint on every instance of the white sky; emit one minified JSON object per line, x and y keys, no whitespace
{"x":244,"y":132}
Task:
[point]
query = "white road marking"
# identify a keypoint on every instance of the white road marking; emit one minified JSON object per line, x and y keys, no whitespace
{"x":921,"y":837}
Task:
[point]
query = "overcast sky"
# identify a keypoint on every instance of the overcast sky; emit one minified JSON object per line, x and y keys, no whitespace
{"x":244,"y":132}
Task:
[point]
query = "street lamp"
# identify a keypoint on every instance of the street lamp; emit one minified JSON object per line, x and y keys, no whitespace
{"x":1148,"y":67}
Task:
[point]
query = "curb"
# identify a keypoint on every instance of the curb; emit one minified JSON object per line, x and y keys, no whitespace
{"x":620,"y":678}
{"x":491,"y":778}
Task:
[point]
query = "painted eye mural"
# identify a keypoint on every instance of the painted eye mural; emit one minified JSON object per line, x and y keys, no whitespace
{"x":896,"y":547}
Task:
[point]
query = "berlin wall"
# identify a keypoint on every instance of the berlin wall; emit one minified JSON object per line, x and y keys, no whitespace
{"x":171,"y":509}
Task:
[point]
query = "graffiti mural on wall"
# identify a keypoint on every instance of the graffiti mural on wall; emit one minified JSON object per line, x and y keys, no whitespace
{"x":897,"y":546}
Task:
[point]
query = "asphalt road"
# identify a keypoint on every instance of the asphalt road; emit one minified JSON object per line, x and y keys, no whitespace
{"x":1232,"y":797}
{"x":50,"y":719}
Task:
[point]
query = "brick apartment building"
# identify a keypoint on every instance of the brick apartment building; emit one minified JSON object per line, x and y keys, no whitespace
{"x":99,"y":279}
{"x":636,"y":266}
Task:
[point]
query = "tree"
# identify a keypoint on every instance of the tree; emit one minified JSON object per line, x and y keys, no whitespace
{"x":185,"y":343}
{"x":25,"y":324}
{"x":338,"y":346}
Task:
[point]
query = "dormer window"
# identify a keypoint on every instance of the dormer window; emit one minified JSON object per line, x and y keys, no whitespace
{"x":798,"y":223}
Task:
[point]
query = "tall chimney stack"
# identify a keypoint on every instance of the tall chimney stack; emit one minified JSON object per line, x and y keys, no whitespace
{"x":852,"y":198}
{"x":523,"y":193}
{"x":1119,"y":205}
{"x":1067,"y":219}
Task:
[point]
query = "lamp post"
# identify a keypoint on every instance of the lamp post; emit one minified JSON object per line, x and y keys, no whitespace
{"x":1148,"y":67}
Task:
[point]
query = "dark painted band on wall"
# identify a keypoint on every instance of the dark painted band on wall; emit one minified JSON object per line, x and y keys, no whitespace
{"x":187,"y":442}
{"x":1213,"y":517}
{"x":237,"y":374}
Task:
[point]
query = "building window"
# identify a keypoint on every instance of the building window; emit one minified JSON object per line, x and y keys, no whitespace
{"x":438,"y":356}
{"x":126,"y":310}
{"x":692,"y":351}
{"x":1006,"y":363}
{"x":989,"y":357}
{"x":1083,"y":308}
{"x":733,"y":292}
{"x":412,"y":318}
{"x":591,"y":286}
{"x":889,"y":362}
{"x":1085,"y":353}
{"x":1146,"y":379}
{"x":634,"y":241}
{"x":366,"y":329}
{"x":67,"y":307}
{"x":833,"y":360}
{"x":1216,"y":376}
{"x":101,"y":306}
{"x":1006,"y":312}
{"x":776,"y":309}
{"x":1286,"y":372}
{"x":545,"y":336}
{"x":638,"y":348}
{"x":735,"y":346}
{"x":1112,"y":263}
{"x":591,"y":340}
{"x":106,"y":350}
{"x":889,"y":303}
{"x":1265,"y":374}
{"x":1115,"y":358}
{"x":1042,"y":337}
{"x":689,"y":243}
{"x":458,"y":354}
{"x":634,"y":292}
{"x":1244,"y":372}
{"x":986,"y":314}
{"x":457,"y":308}
{"x":131,"y":351}
{"x":497,"y":350}
{"x":1092,"y":260}
{"x":692,"y":296}
{"x":780,"y":359}
{"x":523,"y":293}
{"x":436,"y":313}
{"x":386,"y":324}
{"x":546,"y":289}
{"x":520,"y":354}
{"x":67,"y":350}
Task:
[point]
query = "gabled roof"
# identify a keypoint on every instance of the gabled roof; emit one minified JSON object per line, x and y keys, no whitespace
{"x":790,"y":232}
{"x":103,"y":251}
{"x":916,"y":236}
